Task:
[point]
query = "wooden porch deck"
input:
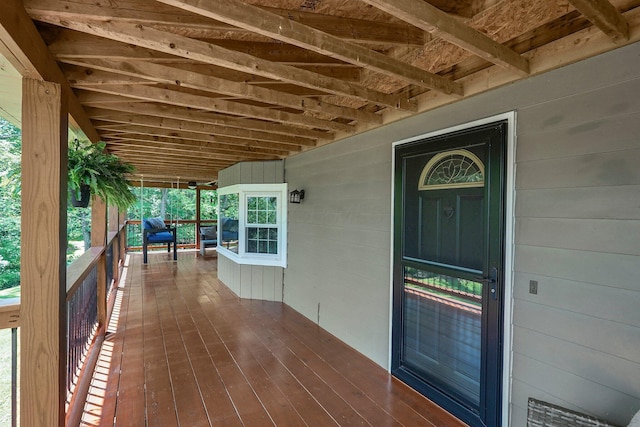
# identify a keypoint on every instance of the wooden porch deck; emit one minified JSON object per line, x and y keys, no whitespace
{"x":183,"y":350}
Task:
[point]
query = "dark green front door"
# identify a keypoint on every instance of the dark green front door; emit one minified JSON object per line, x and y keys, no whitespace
{"x":448,"y":258}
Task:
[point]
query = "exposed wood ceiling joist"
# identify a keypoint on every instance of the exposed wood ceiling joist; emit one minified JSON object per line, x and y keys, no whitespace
{"x":604,"y":16}
{"x":209,"y":53}
{"x":165,"y":74}
{"x":431,"y":19}
{"x":209,"y":84}
{"x":289,"y":31}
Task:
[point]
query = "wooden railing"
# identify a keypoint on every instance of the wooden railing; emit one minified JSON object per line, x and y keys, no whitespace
{"x":10,"y":319}
{"x":90,"y":280}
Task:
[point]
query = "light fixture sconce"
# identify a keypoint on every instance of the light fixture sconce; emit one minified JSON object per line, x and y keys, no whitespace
{"x":296,"y":196}
{"x":192,"y":185}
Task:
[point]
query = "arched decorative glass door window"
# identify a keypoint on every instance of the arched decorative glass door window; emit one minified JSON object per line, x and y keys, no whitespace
{"x":452,"y":169}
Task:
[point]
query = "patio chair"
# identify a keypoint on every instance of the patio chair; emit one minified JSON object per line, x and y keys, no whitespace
{"x":208,"y":238}
{"x":155,"y":231}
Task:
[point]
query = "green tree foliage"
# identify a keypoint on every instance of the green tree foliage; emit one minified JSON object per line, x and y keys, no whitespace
{"x":11,"y":148}
{"x":173,"y":205}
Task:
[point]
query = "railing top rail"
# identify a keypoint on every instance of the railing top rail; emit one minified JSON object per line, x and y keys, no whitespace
{"x":10,"y":313}
{"x":81,"y":267}
{"x":111,"y":236}
{"x":182,"y":221}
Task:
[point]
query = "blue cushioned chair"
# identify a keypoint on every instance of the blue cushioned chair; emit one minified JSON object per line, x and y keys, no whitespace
{"x":155,"y":231}
{"x":208,"y":238}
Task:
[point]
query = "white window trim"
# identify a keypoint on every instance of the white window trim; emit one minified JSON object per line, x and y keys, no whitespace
{"x":256,"y":190}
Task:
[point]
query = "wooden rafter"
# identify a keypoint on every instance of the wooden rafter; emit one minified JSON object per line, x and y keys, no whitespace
{"x":271,"y":25}
{"x":189,"y":115}
{"x":604,"y":16}
{"x":180,"y":22}
{"x":125,"y":120}
{"x":207,"y":141}
{"x":165,"y":146}
{"x":21,"y":43}
{"x":212,"y":54}
{"x":246,"y":81}
{"x":165,"y":74}
{"x":206,"y":103}
{"x":440,"y":24}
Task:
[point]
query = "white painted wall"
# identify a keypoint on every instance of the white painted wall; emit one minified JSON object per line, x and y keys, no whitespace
{"x":577,"y":342}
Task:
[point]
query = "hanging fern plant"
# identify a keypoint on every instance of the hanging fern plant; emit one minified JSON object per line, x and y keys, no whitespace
{"x":104,"y":174}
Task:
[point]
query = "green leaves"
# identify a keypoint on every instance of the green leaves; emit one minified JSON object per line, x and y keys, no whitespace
{"x":104,"y":173}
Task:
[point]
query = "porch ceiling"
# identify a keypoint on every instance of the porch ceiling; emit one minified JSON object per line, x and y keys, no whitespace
{"x":185,"y":88}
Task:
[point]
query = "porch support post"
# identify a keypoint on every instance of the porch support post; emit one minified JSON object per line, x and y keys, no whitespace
{"x":123,"y":235}
{"x":99,"y":238}
{"x":197,"y":218}
{"x":43,"y":254}
{"x":114,"y":225}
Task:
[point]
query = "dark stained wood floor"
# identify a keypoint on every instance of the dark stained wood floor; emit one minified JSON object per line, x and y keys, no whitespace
{"x":183,"y":350}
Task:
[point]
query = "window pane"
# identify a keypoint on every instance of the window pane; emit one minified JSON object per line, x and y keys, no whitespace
{"x":252,"y":203}
{"x":262,"y":240}
{"x":442,"y":331}
{"x":271,"y":217}
{"x":229,"y":216}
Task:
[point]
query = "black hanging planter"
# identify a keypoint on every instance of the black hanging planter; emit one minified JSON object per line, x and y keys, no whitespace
{"x":85,"y":195}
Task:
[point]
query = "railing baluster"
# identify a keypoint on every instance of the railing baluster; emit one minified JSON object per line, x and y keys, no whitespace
{"x":82,"y":323}
{"x":14,"y":377}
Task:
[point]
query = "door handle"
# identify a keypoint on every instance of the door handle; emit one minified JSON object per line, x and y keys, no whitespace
{"x":492,"y":281}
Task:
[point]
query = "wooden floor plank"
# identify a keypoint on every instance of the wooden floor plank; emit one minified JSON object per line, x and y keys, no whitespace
{"x":188,"y":352}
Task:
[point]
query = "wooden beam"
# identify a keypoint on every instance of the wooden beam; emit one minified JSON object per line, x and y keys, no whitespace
{"x":187,"y":174}
{"x":201,"y":142}
{"x":75,"y":45}
{"x":147,"y":146}
{"x":43,"y":254}
{"x":28,"y":53}
{"x":271,"y":25}
{"x":189,"y":115}
{"x":145,"y":158}
{"x":184,"y":23}
{"x":202,"y":128}
{"x":87,"y":76}
{"x":212,"y":54}
{"x":231,"y":146}
{"x":355,"y":30}
{"x":433,"y":20}
{"x":167,"y":96}
{"x":99,"y":239}
{"x":165,"y":74}
{"x":605,"y":16}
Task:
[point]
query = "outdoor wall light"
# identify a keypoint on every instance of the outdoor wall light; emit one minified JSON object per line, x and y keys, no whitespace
{"x":296,"y":196}
{"x":192,"y":185}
